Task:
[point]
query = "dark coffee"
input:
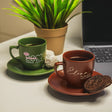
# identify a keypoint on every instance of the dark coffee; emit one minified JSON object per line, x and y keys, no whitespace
{"x":78,"y":58}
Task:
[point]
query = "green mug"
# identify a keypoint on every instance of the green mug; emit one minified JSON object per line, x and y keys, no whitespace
{"x":32,"y":52}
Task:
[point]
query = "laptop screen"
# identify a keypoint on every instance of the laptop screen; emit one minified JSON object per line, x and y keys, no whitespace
{"x":97,"y":26}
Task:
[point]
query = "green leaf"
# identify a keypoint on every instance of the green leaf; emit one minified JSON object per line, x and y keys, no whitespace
{"x":46,"y":22}
{"x":38,"y":8}
{"x":34,"y":22}
{"x":47,"y":1}
{"x":69,"y":4}
{"x":42,"y":3}
{"x":59,"y":4}
{"x":16,"y":15}
{"x":65,"y":3}
{"x":55,"y":8}
{"x":58,"y":18}
{"x":49,"y":14}
{"x":19,"y":3}
{"x":51,"y":1}
{"x":25,"y":5}
{"x":16,"y":10}
{"x":73,"y":6}
{"x":35,"y":13}
{"x":52,"y":4}
{"x":50,"y":9}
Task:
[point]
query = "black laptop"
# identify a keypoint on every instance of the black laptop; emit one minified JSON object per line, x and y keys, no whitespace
{"x":97,"y":33}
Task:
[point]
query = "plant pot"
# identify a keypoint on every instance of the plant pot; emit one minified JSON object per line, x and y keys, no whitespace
{"x":55,"y":38}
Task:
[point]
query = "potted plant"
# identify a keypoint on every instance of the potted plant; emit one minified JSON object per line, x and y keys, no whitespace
{"x":50,"y":18}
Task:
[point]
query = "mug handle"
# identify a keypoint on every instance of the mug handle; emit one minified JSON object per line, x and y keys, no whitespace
{"x":61,"y":75}
{"x":10,"y":51}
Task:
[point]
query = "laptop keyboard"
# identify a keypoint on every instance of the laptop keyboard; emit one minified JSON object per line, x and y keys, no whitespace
{"x":102,"y":55}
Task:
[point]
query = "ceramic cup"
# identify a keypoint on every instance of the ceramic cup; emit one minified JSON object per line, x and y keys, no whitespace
{"x":31,"y":52}
{"x":78,"y":66}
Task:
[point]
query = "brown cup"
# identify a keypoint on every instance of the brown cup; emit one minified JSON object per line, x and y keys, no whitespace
{"x":78,"y":66}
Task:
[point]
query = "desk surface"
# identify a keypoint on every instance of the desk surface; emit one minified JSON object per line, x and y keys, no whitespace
{"x":32,"y":94}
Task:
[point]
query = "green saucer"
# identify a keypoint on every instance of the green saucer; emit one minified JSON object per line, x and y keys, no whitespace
{"x":16,"y":67}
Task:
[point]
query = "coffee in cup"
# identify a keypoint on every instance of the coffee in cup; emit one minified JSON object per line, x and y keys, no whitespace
{"x":78,"y":66}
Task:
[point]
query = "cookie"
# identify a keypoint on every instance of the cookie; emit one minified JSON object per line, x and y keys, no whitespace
{"x":94,"y":83}
{"x":97,"y":82}
{"x":107,"y":80}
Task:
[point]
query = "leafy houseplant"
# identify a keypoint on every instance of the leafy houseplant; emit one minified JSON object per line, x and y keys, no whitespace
{"x":50,"y":18}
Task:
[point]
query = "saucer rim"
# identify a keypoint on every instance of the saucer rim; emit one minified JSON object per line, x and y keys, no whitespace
{"x":27,"y":72}
{"x":68,"y":93}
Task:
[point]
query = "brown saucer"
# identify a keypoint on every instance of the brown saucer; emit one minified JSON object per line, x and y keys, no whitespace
{"x":61,"y":86}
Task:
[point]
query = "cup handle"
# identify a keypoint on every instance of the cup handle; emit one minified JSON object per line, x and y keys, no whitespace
{"x":61,"y":75}
{"x":10,"y":51}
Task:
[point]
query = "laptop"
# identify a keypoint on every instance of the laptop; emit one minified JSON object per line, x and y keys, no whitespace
{"x":97,"y":33}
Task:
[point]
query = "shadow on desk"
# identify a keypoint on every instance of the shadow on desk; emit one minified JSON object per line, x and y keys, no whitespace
{"x":25,"y":78}
{"x":77,"y":99}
